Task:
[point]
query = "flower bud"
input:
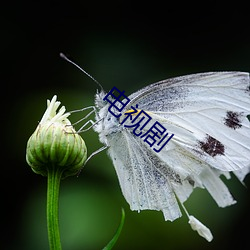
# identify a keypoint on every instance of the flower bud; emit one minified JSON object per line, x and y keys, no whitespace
{"x":55,"y":144}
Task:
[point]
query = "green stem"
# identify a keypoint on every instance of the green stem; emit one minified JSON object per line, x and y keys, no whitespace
{"x":54,"y":177}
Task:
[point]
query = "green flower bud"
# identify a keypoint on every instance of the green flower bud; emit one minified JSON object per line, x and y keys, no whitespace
{"x":55,"y":144}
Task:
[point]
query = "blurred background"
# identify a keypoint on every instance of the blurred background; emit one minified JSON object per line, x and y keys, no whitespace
{"x":129,"y":45}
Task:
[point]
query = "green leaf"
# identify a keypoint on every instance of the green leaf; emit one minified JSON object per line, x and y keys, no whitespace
{"x":117,"y":234}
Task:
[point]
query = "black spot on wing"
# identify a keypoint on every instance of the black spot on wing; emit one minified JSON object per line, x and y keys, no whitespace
{"x":212,"y":146}
{"x":248,"y":89}
{"x":233,"y":119}
{"x":190,"y":181}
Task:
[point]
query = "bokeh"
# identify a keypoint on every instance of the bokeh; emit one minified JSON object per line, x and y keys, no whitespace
{"x":124,"y":45}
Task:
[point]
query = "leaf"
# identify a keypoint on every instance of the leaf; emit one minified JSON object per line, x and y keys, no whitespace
{"x":117,"y":234}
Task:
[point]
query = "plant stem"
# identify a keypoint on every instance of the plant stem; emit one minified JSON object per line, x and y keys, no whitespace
{"x":117,"y":234}
{"x":54,"y":177}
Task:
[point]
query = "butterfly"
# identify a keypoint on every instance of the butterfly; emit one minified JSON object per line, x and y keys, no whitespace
{"x":208,"y":114}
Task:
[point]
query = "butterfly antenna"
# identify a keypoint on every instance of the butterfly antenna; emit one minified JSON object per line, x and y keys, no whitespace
{"x":90,"y":76}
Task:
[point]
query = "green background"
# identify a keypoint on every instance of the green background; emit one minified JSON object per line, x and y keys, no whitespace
{"x":124,"y":44}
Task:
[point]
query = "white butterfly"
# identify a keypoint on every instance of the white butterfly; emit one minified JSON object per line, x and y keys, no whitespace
{"x":207,"y":113}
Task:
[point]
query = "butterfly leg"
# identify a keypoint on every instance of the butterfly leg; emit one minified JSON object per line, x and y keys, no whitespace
{"x":96,"y":152}
{"x":85,"y":124}
{"x":86,"y":116}
{"x":81,"y":129}
{"x":92,"y":154}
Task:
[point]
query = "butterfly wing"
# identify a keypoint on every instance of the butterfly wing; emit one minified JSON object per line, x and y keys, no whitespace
{"x":149,"y":181}
{"x":143,"y":186}
{"x":207,"y":115}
